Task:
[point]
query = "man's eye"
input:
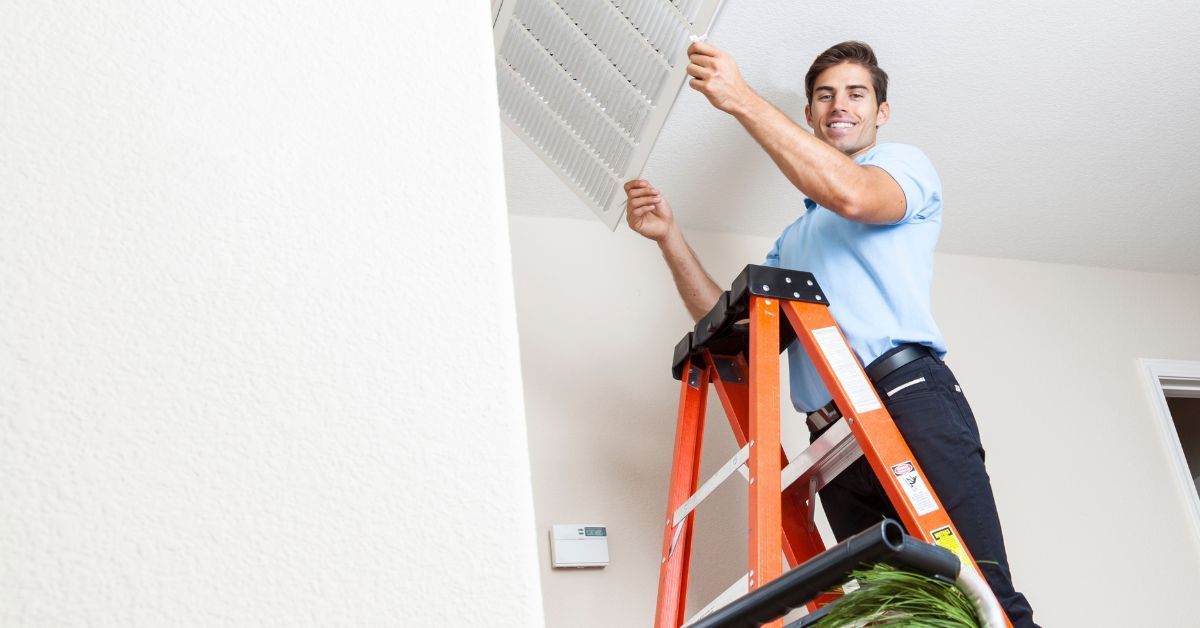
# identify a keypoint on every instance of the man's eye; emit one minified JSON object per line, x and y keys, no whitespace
{"x":825,"y":97}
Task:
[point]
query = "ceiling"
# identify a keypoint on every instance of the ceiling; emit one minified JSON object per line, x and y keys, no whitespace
{"x":1063,"y":132}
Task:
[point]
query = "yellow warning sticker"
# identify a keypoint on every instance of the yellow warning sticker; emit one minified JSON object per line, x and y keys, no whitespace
{"x":945,"y":538}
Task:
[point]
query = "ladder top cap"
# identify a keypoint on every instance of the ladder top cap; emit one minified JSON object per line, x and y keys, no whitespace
{"x":683,"y":349}
{"x":717,"y":331}
{"x":781,"y":283}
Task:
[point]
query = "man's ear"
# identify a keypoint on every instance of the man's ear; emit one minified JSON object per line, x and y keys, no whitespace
{"x":808,"y":115}
{"x":885,"y":112}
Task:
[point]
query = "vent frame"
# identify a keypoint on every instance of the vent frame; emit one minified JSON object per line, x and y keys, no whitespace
{"x":587,"y":84}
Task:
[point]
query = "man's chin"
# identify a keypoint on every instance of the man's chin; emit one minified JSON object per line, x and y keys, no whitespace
{"x":844,"y":145}
{"x":839,"y":143}
{"x":857,"y":149}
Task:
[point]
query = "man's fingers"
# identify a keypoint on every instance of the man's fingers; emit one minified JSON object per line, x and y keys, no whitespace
{"x":643,"y":201}
{"x":638,"y":212}
{"x":703,"y":48}
{"x":635,"y":184}
{"x":700,"y":71}
{"x":642,"y":198}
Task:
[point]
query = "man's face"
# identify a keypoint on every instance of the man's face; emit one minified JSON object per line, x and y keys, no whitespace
{"x":844,"y":112}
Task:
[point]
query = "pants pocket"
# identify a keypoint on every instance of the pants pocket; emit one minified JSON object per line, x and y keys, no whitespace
{"x":906,"y":385}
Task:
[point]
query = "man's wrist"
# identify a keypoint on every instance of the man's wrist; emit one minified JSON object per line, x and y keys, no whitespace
{"x":671,"y":238}
{"x":747,"y":107}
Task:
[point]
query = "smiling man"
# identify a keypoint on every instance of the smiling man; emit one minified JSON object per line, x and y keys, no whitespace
{"x":868,"y":232}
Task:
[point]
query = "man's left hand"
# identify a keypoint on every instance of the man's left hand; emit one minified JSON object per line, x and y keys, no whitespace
{"x":715,"y":74}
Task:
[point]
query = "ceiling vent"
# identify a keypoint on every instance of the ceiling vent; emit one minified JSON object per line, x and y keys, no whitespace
{"x":587,"y":84}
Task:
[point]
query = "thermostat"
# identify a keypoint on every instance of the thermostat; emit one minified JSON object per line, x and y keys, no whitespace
{"x":578,"y":545}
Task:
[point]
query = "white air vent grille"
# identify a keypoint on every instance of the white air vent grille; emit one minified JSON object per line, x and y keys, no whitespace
{"x":588,"y":84}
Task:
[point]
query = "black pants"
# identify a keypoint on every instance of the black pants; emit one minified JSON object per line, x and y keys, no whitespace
{"x":939,"y":427}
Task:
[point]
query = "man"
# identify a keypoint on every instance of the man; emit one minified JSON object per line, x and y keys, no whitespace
{"x":872,"y":219}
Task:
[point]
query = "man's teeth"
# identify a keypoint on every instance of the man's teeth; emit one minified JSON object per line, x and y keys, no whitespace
{"x":841,"y":125}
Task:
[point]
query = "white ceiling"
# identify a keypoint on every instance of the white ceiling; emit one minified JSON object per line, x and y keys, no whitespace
{"x":1063,"y":132}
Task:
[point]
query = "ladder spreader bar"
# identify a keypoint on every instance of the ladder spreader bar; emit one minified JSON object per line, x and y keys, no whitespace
{"x":735,"y":591}
{"x":711,"y":484}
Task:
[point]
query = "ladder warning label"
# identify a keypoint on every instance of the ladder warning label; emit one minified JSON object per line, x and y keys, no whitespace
{"x":918,"y":494}
{"x":945,"y":538}
{"x":846,"y":369}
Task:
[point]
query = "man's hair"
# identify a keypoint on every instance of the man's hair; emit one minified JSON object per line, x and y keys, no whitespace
{"x":848,"y":52}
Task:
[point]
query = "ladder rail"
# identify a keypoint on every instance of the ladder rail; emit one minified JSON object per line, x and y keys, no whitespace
{"x":766,"y":516}
{"x":685,"y":472}
{"x":921,"y":512}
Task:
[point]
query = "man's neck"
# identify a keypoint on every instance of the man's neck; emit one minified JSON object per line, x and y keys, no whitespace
{"x":861,"y":150}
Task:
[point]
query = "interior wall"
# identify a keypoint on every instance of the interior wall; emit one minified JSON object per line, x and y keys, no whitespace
{"x":1046,"y":353}
{"x":242,"y":377}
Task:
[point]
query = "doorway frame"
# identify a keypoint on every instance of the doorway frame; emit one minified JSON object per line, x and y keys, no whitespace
{"x":1183,"y":376}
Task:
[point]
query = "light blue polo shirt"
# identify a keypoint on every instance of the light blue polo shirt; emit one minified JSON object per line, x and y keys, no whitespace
{"x":877,"y":277}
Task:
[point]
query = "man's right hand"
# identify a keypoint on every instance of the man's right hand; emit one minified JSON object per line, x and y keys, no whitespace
{"x":646,"y":211}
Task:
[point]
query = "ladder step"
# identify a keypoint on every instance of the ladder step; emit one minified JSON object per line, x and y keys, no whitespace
{"x":824,"y":459}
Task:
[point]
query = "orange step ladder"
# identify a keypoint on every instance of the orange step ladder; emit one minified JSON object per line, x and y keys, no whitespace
{"x":742,"y":362}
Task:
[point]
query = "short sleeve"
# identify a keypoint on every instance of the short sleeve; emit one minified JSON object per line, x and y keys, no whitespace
{"x":914,"y":172}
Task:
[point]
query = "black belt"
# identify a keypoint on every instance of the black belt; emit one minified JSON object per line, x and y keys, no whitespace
{"x":895,"y":358}
{"x":878,"y":369}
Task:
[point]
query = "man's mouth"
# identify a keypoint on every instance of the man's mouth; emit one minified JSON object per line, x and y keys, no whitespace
{"x":841,"y":125}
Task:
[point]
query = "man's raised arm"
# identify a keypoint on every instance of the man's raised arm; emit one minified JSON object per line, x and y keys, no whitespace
{"x":649,"y":214}
{"x":823,"y":173}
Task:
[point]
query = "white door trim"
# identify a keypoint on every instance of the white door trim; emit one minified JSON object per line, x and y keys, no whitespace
{"x":1182,"y":376}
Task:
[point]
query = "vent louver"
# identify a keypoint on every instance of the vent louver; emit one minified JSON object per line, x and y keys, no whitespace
{"x":587,"y":84}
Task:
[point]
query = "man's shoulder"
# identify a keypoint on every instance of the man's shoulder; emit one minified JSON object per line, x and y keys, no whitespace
{"x":895,"y":150}
{"x":916,"y":176}
{"x":900,"y":159}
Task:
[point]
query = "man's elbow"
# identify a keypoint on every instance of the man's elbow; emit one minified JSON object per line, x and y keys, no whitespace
{"x":850,"y":203}
{"x":852,"y":211}
{"x":852,"y":208}
{"x":858,"y":210}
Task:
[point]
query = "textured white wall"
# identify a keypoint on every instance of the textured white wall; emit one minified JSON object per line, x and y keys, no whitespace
{"x":1047,"y":353}
{"x":242,"y":381}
